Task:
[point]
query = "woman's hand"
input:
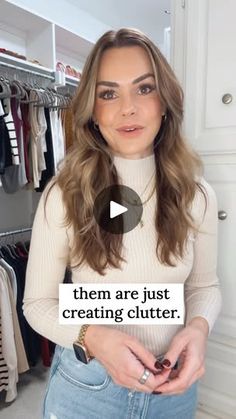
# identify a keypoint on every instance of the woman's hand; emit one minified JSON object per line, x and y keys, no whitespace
{"x":124,"y":358}
{"x":189,"y":347}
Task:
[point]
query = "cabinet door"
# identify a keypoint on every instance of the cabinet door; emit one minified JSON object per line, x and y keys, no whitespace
{"x":210,"y":82}
{"x":207,"y":67}
{"x":218,"y":386}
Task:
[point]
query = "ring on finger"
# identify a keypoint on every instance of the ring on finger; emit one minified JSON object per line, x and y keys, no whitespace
{"x":144,"y":376}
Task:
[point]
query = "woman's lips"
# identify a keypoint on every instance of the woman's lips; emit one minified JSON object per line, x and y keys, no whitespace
{"x":130,"y":131}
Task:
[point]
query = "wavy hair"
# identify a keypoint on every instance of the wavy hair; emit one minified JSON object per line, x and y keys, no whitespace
{"x":88,"y":167}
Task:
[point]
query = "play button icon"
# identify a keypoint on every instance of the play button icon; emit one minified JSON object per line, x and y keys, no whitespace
{"x":118,"y":209}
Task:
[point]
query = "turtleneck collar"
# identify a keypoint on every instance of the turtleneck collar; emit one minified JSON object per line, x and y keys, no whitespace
{"x":135,"y":173}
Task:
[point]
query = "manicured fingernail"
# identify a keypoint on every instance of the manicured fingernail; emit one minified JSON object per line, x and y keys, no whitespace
{"x":158,"y":365}
{"x":166,"y":363}
{"x":156,"y":392}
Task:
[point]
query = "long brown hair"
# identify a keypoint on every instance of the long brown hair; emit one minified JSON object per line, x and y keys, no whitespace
{"x":89,"y":168}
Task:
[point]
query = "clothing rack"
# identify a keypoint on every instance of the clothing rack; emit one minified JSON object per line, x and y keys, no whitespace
{"x":9,"y":69}
{"x":15,"y":72}
{"x":13,"y":232}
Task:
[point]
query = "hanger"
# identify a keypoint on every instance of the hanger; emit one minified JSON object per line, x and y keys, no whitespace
{"x":22,"y":246}
{"x":27,"y":87}
{"x":15,"y":86}
{"x":44,"y":96}
{"x":12,"y":250}
{"x":5,"y":250}
{"x":63,"y":102}
{"x":33,"y":101}
{"x":1,"y":254}
{"x":6,"y":91}
{"x":20,"y":90}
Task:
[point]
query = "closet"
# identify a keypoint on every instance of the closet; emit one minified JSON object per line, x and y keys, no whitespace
{"x":40,"y":66}
{"x":47,"y":47}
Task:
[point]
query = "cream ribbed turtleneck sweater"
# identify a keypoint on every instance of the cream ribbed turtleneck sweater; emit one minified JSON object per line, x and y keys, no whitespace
{"x":50,"y":248}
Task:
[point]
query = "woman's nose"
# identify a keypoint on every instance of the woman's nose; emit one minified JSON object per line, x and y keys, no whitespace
{"x":128,"y":106}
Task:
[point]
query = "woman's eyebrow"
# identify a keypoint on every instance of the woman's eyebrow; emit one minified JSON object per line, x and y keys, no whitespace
{"x":114,"y":84}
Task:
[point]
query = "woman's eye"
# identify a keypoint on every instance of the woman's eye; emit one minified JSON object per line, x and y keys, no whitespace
{"x":146,"y":88}
{"x":107,"y":94}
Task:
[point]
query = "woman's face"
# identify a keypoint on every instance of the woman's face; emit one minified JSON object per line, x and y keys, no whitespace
{"x":127,"y":105}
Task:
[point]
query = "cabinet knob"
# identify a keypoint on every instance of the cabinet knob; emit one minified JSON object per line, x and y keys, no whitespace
{"x":222,"y":215}
{"x":227,"y":98}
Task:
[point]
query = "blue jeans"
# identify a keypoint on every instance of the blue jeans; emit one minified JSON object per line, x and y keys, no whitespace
{"x":79,"y":391}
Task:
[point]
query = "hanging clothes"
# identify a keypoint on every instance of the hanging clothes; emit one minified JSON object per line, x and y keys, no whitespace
{"x":34,"y":138}
{"x":26,"y":136}
{"x":13,"y":260}
{"x":5,"y":145}
{"x":10,"y":124}
{"x":14,"y":177}
{"x":11,"y":274}
{"x":37,"y":140}
{"x":49,"y":159}
{"x":58,"y":139}
{"x":30,"y":338}
{"x":4,"y":377}
{"x":8,"y":343}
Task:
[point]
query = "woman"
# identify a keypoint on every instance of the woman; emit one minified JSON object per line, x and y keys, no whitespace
{"x":128,"y":112}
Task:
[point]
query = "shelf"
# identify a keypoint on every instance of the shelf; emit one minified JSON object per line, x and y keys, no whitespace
{"x":9,"y":61}
{"x":72,"y":80}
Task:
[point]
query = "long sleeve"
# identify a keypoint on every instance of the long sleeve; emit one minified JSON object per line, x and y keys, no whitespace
{"x":48,"y":257}
{"x":202,"y":290}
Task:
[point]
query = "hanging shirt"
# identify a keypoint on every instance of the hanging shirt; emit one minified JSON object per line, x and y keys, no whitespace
{"x":5,"y":145}
{"x":37,"y":139}
{"x":14,"y":177}
{"x":58,"y":139}
{"x":4,"y":378}
{"x":26,"y":136}
{"x":8,"y":118}
{"x":50,"y":170}
{"x":8,"y":342}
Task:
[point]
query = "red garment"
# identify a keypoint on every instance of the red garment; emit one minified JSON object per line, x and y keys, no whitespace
{"x":26,"y":137}
{"x":45,"y":353}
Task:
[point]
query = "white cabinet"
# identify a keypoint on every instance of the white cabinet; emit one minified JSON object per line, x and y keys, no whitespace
{"x":217,"y":390}
{"x":204,"y":55}
{"x":210,"y":68}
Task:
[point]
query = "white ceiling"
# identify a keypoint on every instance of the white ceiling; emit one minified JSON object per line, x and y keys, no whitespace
{"x":146,"y":15}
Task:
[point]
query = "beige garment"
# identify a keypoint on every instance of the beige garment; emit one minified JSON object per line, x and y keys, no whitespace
{"x":37,"y":139}
{"x":3,"y":366}
{"x":8,"y":342}
{"x":22,"y":362}
{"x":50,"y":250}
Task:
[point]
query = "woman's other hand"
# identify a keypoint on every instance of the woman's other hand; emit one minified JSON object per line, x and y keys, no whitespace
{"x":124,"y":358}
{"x":188,"y":347}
